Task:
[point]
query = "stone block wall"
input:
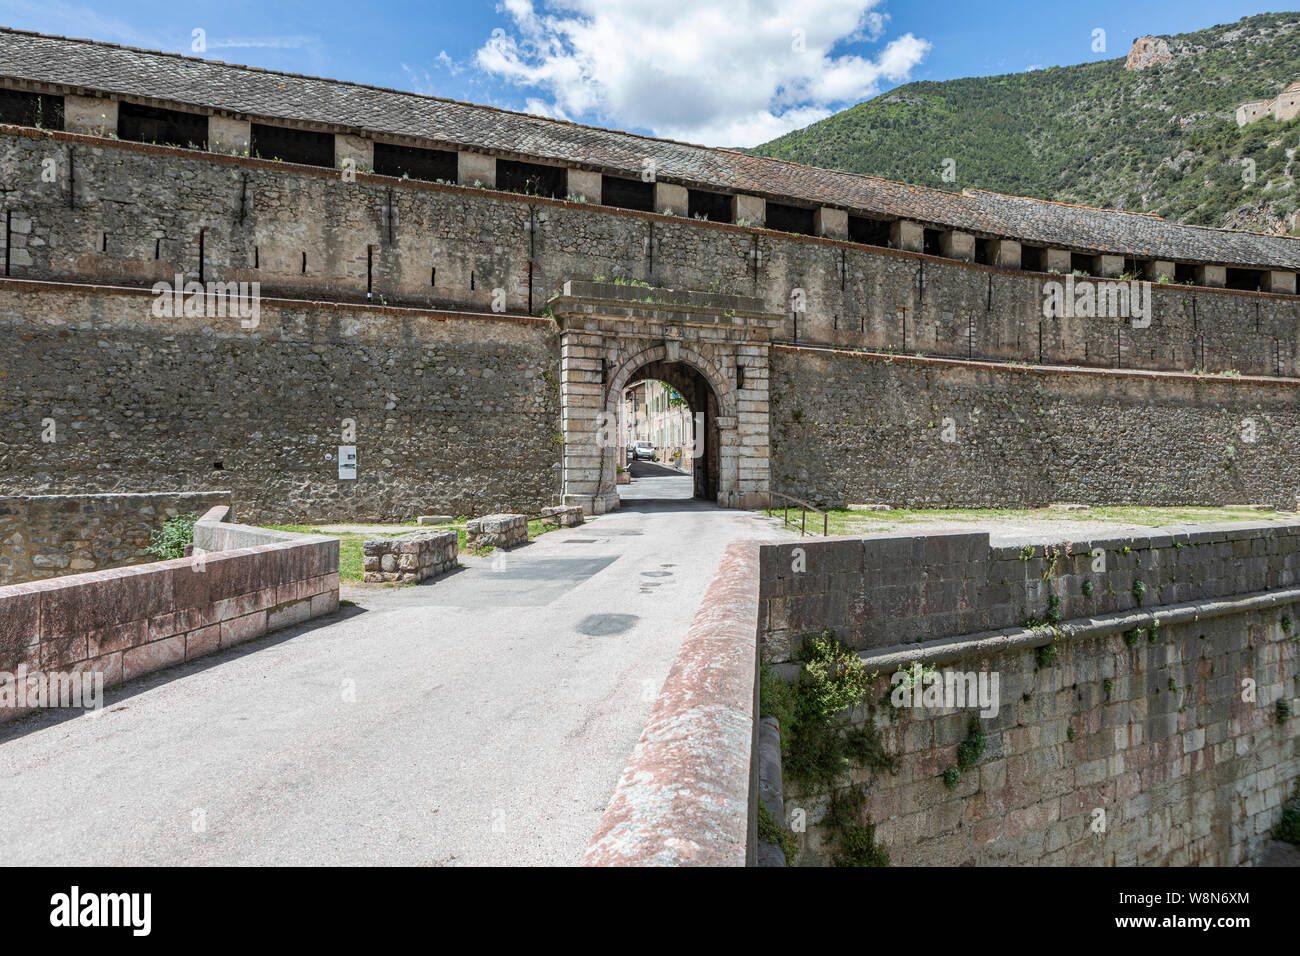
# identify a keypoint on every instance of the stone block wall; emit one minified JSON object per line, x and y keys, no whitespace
{"x":43,"y":536}
{"x":496,"y":531}
{"x":409,"y":557}
{"x":1109,"y":755}
{"x":125,"y":622}
{"x":563,"y":516}
{"x":915,"y":432}
{"x":457,"y":413}
{"x":1128,"y":733}
{"x":889,"y":589}
{"x":461,"y":413}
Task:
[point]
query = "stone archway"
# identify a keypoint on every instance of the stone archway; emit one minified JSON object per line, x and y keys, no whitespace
{"x":708,"y":394}
{"x":611,"y":332}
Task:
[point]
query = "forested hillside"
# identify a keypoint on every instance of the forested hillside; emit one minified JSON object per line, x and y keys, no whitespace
{"x":1160,"y":139}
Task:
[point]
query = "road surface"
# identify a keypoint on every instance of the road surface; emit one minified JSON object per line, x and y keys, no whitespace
{"x":482,"y":718}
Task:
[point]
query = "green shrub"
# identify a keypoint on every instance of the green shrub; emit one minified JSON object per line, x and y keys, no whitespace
{"x":817,"y":753}
{"x":1054,"y":609}
{"x":170,"y":540}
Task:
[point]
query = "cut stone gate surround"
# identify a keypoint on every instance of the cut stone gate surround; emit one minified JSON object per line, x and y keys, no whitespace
{"x":610,"y":331}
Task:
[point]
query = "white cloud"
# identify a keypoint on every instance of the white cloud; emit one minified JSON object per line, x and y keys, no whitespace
{"x":447,"y":63}
{"x":723,"y":72}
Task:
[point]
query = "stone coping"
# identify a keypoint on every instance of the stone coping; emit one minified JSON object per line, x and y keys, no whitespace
{"x":688,"y":796}
{"x":989,"y":643}
{"x":584,"y":297}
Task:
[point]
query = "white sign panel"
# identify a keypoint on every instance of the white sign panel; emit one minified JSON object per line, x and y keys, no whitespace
{"x":348,"y":462}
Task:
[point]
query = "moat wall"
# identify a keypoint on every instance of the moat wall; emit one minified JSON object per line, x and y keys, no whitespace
{"x":1155,"y":735}
{"x":1116,"y":740}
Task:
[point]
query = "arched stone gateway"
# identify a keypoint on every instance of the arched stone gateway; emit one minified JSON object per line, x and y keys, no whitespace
{"x":712,"y":348}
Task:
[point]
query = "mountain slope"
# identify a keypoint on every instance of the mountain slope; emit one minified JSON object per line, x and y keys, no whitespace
{"x":1162,"y":138}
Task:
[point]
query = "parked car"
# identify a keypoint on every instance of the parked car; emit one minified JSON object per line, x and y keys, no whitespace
{"x":643,"y":451}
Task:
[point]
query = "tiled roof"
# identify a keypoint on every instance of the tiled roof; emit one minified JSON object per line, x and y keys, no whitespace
{"x":263,"y":94}
{"x":1138,"y":235}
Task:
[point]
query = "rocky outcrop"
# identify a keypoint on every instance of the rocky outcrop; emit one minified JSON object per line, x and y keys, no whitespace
{"x":1148,"y":52}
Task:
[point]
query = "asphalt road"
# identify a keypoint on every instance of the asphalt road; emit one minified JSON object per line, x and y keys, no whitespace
{"x":652,"y":481}
{"x":482,"y":718}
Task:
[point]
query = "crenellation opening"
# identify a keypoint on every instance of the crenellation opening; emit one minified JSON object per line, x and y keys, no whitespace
{"x":1250,"y":280}
{"x":415,"y":162}
{"x":703,"y":204}
{"x":868,"y":231}
{"x":532,"y":179}
{"x":21,"y":108}
{"x":627,"y":193}
{"x":304,"y":146}
{"x":163,"y":127}
{"x":795,"y":219}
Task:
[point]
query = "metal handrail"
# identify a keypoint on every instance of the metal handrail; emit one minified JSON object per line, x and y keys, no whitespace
{"x":804,"y":508}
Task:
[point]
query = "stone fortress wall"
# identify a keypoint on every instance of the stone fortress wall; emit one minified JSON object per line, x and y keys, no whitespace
{"x":468,"y":421}
{"x":454,"y":412}
{"x":920,"y":432}
{"x":121,"y":213}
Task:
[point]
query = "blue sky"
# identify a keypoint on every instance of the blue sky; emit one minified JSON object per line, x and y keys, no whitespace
{"x":721,"y":72}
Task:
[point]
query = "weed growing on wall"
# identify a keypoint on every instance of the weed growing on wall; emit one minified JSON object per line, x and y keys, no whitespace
{"x":771,"y":831}
{"x":170,"y":540}
{"x":817,"y":753}
{"x":1288,"y":828}
{"x":855,"y":841}
{"x":1045,"y":656}
{"x":970,"y":750}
